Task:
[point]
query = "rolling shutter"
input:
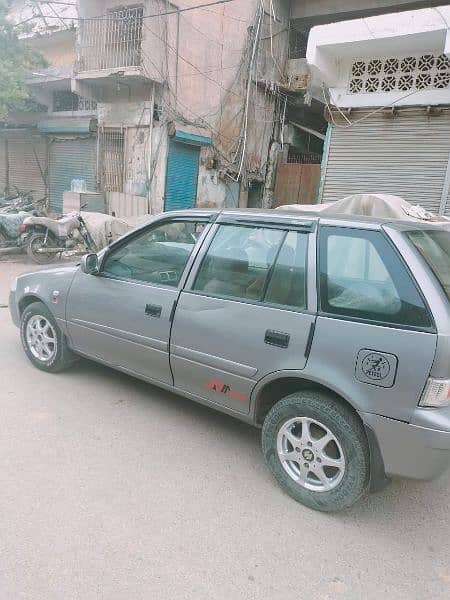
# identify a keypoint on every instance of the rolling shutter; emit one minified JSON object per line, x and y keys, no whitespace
{"x":3,"y":164}
{"x":405,"y":155}
{"x":71,"y":158}
{"x":27,"y":157}
{"x":182,"y":176}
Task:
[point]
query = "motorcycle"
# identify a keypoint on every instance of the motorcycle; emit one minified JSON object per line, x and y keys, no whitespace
{"x":17,"y":201}
{"x":10,"y":234}
{"x":44,"y":238}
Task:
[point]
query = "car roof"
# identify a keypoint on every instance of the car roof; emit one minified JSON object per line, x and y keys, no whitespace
{"x":292,"y":216}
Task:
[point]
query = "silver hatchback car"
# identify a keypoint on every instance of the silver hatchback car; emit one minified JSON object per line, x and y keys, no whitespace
{"x":332,"y":334}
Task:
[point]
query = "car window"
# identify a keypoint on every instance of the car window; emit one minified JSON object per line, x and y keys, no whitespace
{"x":158,"y":255}
{"x":362,"y":277}
{"x":239,"y":261}
{"x":287,"y":284}
{"x":434,"y":246}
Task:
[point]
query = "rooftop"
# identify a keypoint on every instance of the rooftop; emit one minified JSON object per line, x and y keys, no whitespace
{"x":43,"y":18}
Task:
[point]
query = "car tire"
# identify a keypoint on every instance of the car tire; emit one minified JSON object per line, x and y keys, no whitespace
{"x":42,"y":339}
{"x":327,"y":476}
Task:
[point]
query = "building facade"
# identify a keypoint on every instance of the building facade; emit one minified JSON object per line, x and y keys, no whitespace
{"x":153,"y":105}
{"x":385,"y":86}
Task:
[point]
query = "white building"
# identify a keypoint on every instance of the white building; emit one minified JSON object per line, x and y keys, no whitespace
{"x":385,"y":85}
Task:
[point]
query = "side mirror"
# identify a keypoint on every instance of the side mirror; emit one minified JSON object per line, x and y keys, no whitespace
{"x":89,"y":264}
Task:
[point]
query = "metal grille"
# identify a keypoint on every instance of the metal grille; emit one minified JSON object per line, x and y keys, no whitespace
{"x":404,"y":74}
{"x":112,"y":143}
{"x":112,"y":41}
{"x":298,"y":43}
{"x":64,"y":101}
{"x":305,"y":158}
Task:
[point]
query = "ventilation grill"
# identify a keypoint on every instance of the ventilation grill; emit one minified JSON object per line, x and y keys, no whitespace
{"x":407,"y":74}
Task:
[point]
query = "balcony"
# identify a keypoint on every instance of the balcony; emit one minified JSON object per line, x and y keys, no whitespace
{"x":112,"y":46}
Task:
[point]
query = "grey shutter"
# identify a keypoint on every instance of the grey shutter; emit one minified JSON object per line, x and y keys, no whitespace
{"x":71,"y":158}
{"x":27,"y":156}
{"x":3,"y":164}
{"x":405,"y":155}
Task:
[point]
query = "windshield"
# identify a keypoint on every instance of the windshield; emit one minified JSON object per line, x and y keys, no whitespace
{"x":434,"y":246}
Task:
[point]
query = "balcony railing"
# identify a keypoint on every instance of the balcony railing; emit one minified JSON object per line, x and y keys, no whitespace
{"x":113,"y":41}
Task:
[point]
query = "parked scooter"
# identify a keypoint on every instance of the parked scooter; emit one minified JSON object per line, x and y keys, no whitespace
{"x":44,"y":238}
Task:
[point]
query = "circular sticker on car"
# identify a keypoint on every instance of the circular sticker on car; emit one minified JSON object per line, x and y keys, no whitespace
{"x":375,"y":366}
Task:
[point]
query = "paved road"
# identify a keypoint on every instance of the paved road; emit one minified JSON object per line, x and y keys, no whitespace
{"x":112,"y":489}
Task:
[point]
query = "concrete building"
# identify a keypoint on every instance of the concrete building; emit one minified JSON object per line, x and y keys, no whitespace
{"x":385,"y":85}
{"x":151,"y":106}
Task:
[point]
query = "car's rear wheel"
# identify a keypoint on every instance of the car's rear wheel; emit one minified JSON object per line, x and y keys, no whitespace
{"x":43,"y":342}
{"x":317,"y":449}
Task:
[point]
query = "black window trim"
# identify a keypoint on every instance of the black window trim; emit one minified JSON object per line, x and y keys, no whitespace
{"x":254,"y":224}
{"x":207,"y":220}
{"x":378,"y":323}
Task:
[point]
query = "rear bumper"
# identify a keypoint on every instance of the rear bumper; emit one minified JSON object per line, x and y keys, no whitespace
{"x":13,"y":309}
{"x":410,"y":450}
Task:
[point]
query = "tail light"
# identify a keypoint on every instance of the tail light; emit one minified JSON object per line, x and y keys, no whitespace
{"x":22,"y":228}
{"x":436,"y":393}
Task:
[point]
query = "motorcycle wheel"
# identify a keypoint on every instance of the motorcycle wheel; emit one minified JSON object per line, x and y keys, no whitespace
{"x":35,"y":243}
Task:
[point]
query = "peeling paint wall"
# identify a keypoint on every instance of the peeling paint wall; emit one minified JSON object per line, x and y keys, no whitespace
{"x":206,"y":63}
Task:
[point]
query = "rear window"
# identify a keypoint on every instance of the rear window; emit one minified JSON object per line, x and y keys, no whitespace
{"x":434,"y":246}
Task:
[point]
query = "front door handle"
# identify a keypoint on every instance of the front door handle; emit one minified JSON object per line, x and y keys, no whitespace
{"x":277,"y":338}
{"x":153,"y":310}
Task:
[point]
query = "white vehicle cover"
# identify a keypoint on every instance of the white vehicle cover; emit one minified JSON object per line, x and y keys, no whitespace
{"x":104,"y":228}
{"x":383,"y":206}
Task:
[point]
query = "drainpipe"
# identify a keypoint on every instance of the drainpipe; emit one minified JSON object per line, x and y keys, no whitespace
{"x":150,"y":150}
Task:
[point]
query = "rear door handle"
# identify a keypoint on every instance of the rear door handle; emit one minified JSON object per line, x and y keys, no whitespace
{"x":277,"y":338}
{"x":153,"y":310}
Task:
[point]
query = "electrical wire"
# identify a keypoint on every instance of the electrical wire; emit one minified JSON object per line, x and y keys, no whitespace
{"x":159,"y":14}
{"x":367,"y":116}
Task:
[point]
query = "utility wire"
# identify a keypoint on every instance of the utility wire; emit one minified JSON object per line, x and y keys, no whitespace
{"x":159,"y":14}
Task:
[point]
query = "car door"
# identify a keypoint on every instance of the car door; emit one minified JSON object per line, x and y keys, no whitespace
{"x":122,"y":316}
{"x":375,"y":338}
{"x":244,"y":312}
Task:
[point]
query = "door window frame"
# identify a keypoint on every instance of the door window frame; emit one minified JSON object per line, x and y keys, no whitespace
{"x":309,"y":229}
{"x":207,"y":219}
{"x":324,"y":232}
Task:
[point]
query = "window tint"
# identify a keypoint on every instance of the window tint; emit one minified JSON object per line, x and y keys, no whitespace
{"x":362,"y":277}
{"x":239,"y":261}
{"x":288,"y":282}
{"x":158,"y":255}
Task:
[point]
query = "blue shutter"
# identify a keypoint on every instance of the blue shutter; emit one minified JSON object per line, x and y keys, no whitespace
{"x":71,"y":159}
{"x":182,"y":176}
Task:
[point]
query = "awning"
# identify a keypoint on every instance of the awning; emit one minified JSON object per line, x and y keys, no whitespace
{"x":186,"y":134}
{"x":68,"y":125}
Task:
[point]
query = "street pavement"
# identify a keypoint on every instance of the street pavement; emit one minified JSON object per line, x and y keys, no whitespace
{"x":111,"y":489}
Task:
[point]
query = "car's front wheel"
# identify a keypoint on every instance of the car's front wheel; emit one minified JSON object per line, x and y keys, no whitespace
{"x":43,"y":342}
{"x":317,"y":449}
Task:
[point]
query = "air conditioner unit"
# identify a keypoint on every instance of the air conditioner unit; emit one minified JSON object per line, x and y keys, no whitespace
{"x":298,"y":75}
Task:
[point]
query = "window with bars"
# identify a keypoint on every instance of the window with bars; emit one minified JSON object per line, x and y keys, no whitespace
{"x":64,"y":101}
{"x":298,"y":43}
{"x":400,"y":74}
{"x":112,"y":41}
{"x":112,"y":159}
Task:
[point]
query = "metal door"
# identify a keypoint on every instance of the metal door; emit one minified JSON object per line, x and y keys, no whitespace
{"x":123,"y":316}
{"x":111,"y":320}
{"x":182,"y":176}
{"x":406,"y":155}
{"x":221,"y":347}
{"x":71,"y":159}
